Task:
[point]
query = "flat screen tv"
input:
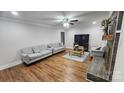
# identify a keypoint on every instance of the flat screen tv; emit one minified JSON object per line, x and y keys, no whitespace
{"x":82,"y":40}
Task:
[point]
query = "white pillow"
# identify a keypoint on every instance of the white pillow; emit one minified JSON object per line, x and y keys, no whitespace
{"x":27,"y":51}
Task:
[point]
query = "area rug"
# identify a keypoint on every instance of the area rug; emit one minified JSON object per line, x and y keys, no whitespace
{"x":77,"y":58}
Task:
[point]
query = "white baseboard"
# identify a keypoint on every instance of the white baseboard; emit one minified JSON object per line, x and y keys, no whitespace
{"x":10,"y":65}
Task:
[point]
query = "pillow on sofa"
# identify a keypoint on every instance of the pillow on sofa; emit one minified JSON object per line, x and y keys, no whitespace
{"x":61,"y":44}
{"x":98,"y":48}
{"x":43,"y":47}
{"x":38,"y":49}
{"x":53,"y":45}
{"x":27,"y":50}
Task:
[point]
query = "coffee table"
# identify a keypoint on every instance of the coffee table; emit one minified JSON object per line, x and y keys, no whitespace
{"x":77,"y":53}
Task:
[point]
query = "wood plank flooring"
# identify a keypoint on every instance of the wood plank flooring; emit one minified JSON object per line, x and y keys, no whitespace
{"x":52,"y":69}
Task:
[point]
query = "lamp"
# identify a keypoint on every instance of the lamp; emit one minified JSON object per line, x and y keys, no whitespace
{"x":66,"y":23}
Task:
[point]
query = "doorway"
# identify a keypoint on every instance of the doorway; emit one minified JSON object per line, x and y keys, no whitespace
{"x":63,"y":37}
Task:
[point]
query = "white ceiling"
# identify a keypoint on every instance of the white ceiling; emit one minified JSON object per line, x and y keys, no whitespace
{"x":53,"y":18}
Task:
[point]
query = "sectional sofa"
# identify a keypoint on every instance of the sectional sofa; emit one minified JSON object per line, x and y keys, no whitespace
{"x":32,"y":54}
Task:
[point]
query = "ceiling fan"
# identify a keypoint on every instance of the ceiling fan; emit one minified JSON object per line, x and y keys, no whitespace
{"x":66,"y":22}
{"x":69,"y":21}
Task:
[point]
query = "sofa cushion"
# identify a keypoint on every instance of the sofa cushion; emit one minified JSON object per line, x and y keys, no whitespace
{"x":61,"y":44}
{"x":27,"y":51}
{"x":38,"y":49}
{"x":54,"y":45}
{"x":44,"y":47}
{"x":35,"y":55}
{"x":58,"y":48}
{"x":45,"y":52}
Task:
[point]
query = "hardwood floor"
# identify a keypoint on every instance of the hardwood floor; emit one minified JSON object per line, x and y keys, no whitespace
{"x":52,"y":69}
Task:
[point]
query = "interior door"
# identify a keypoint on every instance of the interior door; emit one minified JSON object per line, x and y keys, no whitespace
{"x":63,"y":37}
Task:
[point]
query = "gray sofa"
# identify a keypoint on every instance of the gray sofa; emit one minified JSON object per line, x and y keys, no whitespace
{"x":56,"y":47}
{"x":32,"y":54}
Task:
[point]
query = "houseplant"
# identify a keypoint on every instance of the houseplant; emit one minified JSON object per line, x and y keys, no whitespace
{"x":105,"y":24}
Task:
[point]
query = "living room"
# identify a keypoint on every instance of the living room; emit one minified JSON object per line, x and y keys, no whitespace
{"x":25,"y":29}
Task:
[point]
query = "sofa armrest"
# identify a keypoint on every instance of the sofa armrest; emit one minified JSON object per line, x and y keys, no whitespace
{"x":97,"y":53}
{"x":25,"y":58}
{"x":50,"y":49}
{"x":24,"y":55}
{"x":61,"y":45}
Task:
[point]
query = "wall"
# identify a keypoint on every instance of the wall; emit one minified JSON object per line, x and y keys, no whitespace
{"x":14,"y":36}
{"x":118,"y":75}
{"x":94,"y":31}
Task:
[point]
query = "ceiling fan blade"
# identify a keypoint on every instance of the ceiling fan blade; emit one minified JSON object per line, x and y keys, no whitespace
{"x":71,"y":23}
{"x":73,"y":20}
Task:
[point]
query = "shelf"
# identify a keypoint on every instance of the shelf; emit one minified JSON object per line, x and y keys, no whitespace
{"x":107,"y":37}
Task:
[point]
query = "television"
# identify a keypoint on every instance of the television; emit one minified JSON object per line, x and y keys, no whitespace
{"x":82,"y":40}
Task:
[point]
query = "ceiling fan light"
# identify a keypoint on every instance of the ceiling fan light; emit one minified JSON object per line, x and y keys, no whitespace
{"x":66,"y":25}
{"x":65,"y":20}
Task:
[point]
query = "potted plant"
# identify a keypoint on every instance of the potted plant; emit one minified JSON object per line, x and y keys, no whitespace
{"x":105,"y":23}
